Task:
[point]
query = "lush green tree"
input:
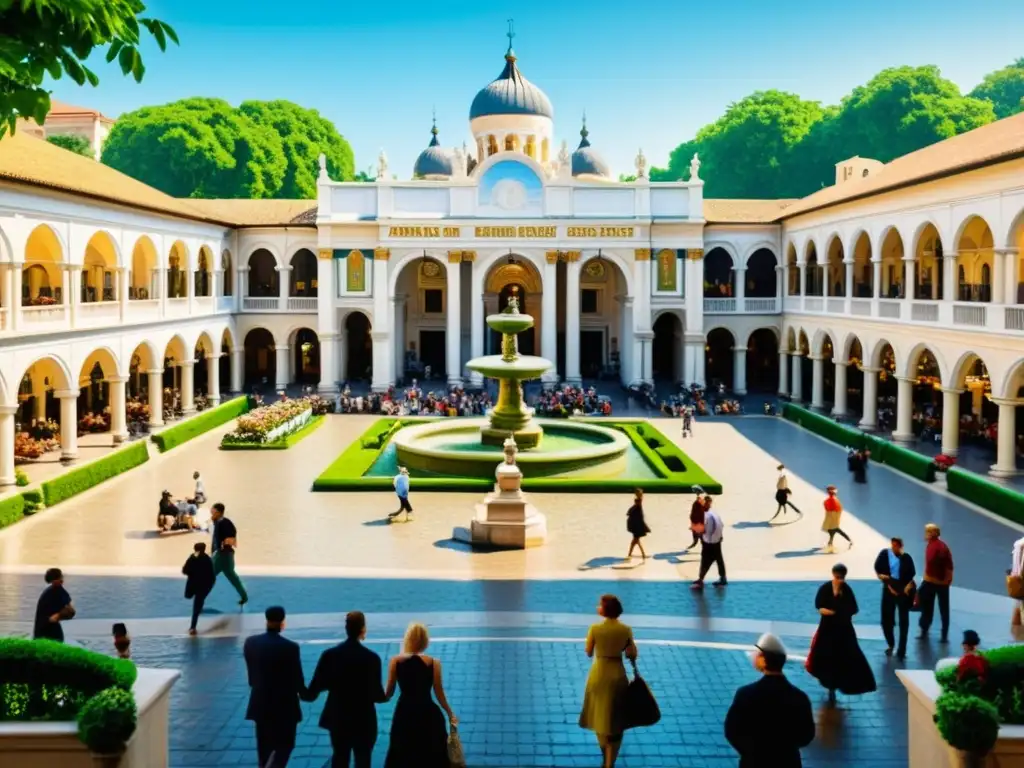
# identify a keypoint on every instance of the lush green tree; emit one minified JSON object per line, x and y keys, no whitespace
{"x":198,"y":148}
{"x":77,"y":144}
{"x":1004,"y":88}
{"x":304,"y":134}
{"x":55,"y":37}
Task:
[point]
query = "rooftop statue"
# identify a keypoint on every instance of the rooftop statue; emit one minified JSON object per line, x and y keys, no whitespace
{"x":323,"y":166}
{"x":641,"y":165}
{"x":382,"y":165}
{"x":695,"y":168}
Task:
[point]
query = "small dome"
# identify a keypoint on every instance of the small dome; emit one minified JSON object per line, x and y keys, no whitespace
{"x":585,"y":160}
{"x":511,"y":94}
{"x":434,"y":161}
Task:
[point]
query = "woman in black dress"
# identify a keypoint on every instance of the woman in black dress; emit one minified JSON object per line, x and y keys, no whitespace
{"x":419,"y":738}
{"x":836,"y":659}
{"x":636,"y":525}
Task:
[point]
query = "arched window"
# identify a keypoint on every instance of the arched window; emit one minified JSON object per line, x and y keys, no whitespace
{"x":531,"y":148}
{"x":511,"y":143}
{"x":492,"y":146}
{"x":544,"y":149}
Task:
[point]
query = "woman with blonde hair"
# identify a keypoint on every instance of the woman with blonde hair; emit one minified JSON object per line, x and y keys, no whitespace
{"x":419,"y":738}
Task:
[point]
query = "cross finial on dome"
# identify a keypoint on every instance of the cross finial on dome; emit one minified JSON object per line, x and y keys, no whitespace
{"x":510,"y":34}
{"x":584,"y":142}
{"x":433,"y":130}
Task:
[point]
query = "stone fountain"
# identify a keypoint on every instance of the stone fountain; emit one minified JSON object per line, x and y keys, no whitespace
{"x":505,"y":519}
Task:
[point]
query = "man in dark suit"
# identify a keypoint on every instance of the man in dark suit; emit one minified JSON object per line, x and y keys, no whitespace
{"x":771,"y":720}
{"x":277,"y":682}
{"x":895,"y":569}
{"x":351,"y":675}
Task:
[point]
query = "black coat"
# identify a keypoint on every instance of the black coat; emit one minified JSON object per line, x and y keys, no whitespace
{"x":836,"y":659}
{"x":351,"y":675}
{"x":769,"y":722}
{"x":635,"y":522}
{"x":199,"y":570}
{"x":907,"y":570}
{"x":275,"y":677}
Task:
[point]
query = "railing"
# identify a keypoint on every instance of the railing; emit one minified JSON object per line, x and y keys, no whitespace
{"x":97,"y":313}
{"x":302,"y":303}
{"x":43,"y":318}
{"x":860,"y":307}
{"x":714,"y":306}
{"x":143,"y":310}
{"x":177,"y":307}
{"x":836,"y":306}
{"x":760,"y":306}
{"x":889,"y":308}
{"x":924,"y":312}
{"x":225,"y":303}
{"x":791,"y":304}
{"x":813,"y":304}
{"x":202,"y":305}
{"x":969,"y":314}
{"x":1014,"y":318}
{"x":260,"y":303}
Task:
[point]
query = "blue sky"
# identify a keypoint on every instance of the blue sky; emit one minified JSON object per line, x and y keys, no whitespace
{"x":648,"y":74}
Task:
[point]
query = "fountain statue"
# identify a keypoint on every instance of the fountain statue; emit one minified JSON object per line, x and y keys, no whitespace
{"x":505,"y":519}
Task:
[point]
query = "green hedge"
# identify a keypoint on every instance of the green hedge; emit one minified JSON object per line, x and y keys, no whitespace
{"x":909,"y":462}
{"x":33,"y":501}
{"x":1004,"y":501}
{"x":12,"y":509}
{"x":45,"y":680}
{"x":94,"y":473}
{"x":174,"y":436}
{"x":281,"y":444}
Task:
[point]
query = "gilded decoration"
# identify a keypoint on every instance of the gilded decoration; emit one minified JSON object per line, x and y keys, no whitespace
{"x":430,"y":270}
{"x":513,"y":274}
{"x":594,"y":271}
{"x":355,"y":272}
{"x":469,"y":256}
{"x":381,"y":254}
{"x":325,"y":253}
{"x":667,"y":270}
{"x":573,"y":255}
{"x":642,"y":254}
{"x":695,"y":254}
{"x":454,"y":257}
{"x":551,"y":257}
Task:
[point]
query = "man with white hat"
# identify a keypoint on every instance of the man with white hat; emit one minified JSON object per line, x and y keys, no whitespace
{"x":401,"y":483}
{"x":771,"y":720}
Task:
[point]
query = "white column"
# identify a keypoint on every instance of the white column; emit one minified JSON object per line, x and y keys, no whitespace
{"x":400,"y":342}
{"x":796,"y":383}
{"x":998,"y":276}
{"x":949,"y":283}
{"x":237,"y":369}
{"x":849,"y":265}
{"x":839,"y":399}
{"x":283,"y":375}
{"x":572,"y":322}
{"x":453,"y":330}
{"x":162,"y":288}
{"x":694,"y":363}
{"x":818,"y":382}
{"x":68,"y":424}
{"x":118,"y":417}
{"x":476,"y":333}
{"x":910,"y":278}
{"x":383,"y":375}
{"x":549,"y":317}
{"x":739,"y":370}
{"x":328,"y":364}
{"x":122,"y":292}
{"x":14,"y":306}
{"x":643,"y":342}
{"x":383,"y":308}
{"x":213,"y":377}
{"x":73,"y":291}
{"x":1012,"y":256}
{"x":904,"y":410}
{"x":284,"y":283}
{"x":869,"y":420}
{"x":342,"y":347}
{"x":156,"y":397}
{"x":39,"y":398}
{"x":876,"y":278}
{"x":243,"y":283}
{"x":803,"y":279}
{"x":1006,"y":440}
{"x":741,"y":287}
{"x":783,"y":373}
{"x":188,"y":389}
{"x":629,"y":367}
{"x":7,"y":474}
{"x":951,"y":421}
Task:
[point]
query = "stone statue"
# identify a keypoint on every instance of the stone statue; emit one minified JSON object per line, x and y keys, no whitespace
{"x":382,"y":165}
{"x":511,"y":449}
{"x":641,"y":165}
{"x":512,"y":308}
{"x":695,"y":168}
{"x":459,"y":161}
{"x":323,"y":166}
{"x":564,"y":162}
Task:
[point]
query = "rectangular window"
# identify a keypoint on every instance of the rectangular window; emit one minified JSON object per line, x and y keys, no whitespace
{"x":433,"y":301}
{"x":588,"y":302}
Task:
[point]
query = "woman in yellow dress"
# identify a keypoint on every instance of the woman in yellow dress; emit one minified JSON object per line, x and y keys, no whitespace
{"x":602,"y":712}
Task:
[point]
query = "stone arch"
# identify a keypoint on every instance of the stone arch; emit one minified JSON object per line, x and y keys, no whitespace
{"x":106,"y":358}
{"x":358,"y":327}
{"x":803,"y":343}
{"x":93,"y":386}
{"x":204,"y":344}
{"x":176,"y":350}
{"x":625,"y":271}
{"x":963,"y":367}
{"x":762,"y":359}
{"x":397,"y":269}
{"x":54,"y":368}
{"x":143,"y":358}
{"x":227,"y":339}
{"x":760,"y":245}
{"x":42,"y":271}
{"x":846,"y":347}
{"x":761,"y":276}
{"x":913,"y":360}
{"x":719,"y":271}
{"x":260,"y":357}
{"x":819,"y":338}
{"x":1012,"y":386}
{"x":177,"y":270}
{"x":873,"y":359}
{"x":790,"y":338}
{"x":98,"y":281}
{"x":227,"y":273}
{"x":303,"y":273}
{"x":815,"y":271}
{"x":834,"y":266}
{"x":975,"y":259}
{"x":304,"y":346}
{"x":264,"y":275}
{"x":143,"y":283}
{"x":719,"y":358}
{"x":46,"y":373}
{"x":862,"y":249}
{"x":792,"y":271}
{"x":891,"y":253}
{"x":203,"y":277}
{"x":667,"y":346}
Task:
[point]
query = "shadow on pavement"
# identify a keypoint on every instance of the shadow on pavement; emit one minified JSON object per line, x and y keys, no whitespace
{"x":600,"y":562}
{"x":801,"y":553}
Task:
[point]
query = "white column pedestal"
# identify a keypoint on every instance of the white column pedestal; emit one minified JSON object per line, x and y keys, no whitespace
{"x":68,"y":424}
{"x":739,"y":365}
{"x":7,"y":416}
{"x":796,"y":383}
{"x":869,"y":420}
{"x":282,"y":376}
{"x":904,"y":411}
{"x":1006,"y":439}
{"x":951,"y":421}
{"x":213,"y":379}
{"x":818,"y":382}
{"x":156,"y":397}
{"x":188,"y":387}
{"x":118,"y":417}
{"x":839,"y":398}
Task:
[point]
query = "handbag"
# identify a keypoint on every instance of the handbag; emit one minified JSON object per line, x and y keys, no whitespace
{"x":639,"y":707}
{"x":810,"y":652}
{"x":456,"y":757}
{"x":1015,"y":586}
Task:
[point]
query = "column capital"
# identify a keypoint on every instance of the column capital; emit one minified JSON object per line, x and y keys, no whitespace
{"x":1012,"y":402}
{"x":454,"y":257}
{"x":573,"y":257}
{"x":865,"y":369}
{"x":381,"y":254}
{"x":214,"y":355}
{"x":951,"y":391}
{"x":739,"y":349}
{"x":281,"y":347}
{"x":911,"y":379}
{"x":116,"y":379}
{"x":739,"y":269}
{"x":469,"y":256}
{"x":156,"y":372}
{"x":642,"y":254}
{"x":66,"y":394}
{"x":796,"y":353}
{"x":8,"y":410}
{"x":551,"y":257}
{"x":815,"y":358}
{"x":1006,"y":251}
{"x":379,"y":335}
{"x":694,"y":254}
{"x":283,"y":269}
{"x":328,"y":336}
{"x":325,"y":253}
{"x":909,"y":258}
{"x":72,"y":267}
{"x":843,"y":363}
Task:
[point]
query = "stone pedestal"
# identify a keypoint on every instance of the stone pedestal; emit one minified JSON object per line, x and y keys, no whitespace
{"x":505,"y":519}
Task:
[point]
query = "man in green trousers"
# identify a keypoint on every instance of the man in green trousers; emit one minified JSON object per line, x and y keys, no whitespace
{"x":225,"y":537}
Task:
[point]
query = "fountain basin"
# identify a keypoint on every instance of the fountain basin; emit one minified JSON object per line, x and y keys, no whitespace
{"x":453,"y":447}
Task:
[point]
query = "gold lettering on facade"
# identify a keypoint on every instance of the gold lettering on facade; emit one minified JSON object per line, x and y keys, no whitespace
{"x":508,"y":232}
{"x":573,"y":255}
{"x":424,"y":232}
{"x":537,"y":232}
{"x":600,"y":232}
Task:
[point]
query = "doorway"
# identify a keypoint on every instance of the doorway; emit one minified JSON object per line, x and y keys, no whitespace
{"x":432,"y":352}
{"x":591,"y":353}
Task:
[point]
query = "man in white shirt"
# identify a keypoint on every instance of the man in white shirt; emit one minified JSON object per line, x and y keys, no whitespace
{"x":711,"y":548}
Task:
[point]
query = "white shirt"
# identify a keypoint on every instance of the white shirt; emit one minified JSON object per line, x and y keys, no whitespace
{"x":200,"y":492}
{"x":713,"y":528}
{"x":1018,"y":558}
{"x":782,"y":483}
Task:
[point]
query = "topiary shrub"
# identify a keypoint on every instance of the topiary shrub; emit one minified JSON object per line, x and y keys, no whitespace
{"x":33,"y":501}
{"x":107,"y":721}
{"x":197,"y":425}
{"x":20,"y":478}
{"x":12,"y":509}
{"x":94,"y":473}
{"x":968,"y":723}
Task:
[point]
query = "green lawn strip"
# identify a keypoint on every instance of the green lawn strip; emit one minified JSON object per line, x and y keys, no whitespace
{"x":92,"y":474}
{"x":1003,"y":501}
{"x":203,"y":422}
{"x":287,"y":441}
{"x":12,"y":509}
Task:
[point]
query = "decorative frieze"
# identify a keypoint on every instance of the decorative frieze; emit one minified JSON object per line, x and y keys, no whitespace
{"x":642,"y":254}
{"x":381,"y":254}
{"x":695,"y":254}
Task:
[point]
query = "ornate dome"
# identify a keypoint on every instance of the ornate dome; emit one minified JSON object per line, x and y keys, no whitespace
{"x":585,"y":160}
{"x":511,"y":94}
{"x":434,"y":161}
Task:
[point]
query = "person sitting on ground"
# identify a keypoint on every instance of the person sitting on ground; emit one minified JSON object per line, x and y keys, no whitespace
{"x":168,"y":513}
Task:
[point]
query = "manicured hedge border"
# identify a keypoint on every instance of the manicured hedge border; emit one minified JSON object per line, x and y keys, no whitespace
{"x":174,"y":436}
{"x":82,"y":479}
{"x":12,"y":509}
{"x":1004,"y":501}
{"x":281,"y":444}
{"x":346,"y":473}
{"x":896,"y":456}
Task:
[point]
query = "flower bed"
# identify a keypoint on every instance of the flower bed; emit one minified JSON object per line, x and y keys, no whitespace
{"x":270,"y":422}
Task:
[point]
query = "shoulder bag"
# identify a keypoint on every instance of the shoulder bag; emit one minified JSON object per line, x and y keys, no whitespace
{"x":456,"y":756}
{"x":639,"y":707}
{"x":1015,"y":586}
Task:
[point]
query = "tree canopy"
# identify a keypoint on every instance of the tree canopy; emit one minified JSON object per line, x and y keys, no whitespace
{"x":77,"y":144}
{"x":775,"y":144}
{"x":1004,"y":88}
{"x":55,"y":37}
{"x":203,"y":147}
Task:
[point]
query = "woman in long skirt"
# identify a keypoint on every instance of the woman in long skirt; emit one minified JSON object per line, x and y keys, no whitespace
{"x":836,"y":659}
{"x":636,"y":525}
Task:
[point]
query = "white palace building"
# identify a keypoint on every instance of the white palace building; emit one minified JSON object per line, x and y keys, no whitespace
{"x":903,"y":282}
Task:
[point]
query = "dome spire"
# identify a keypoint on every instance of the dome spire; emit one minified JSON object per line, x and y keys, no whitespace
{"x":433,"y":130}
{"x":510,"y":54}
{"x":584,"y":133}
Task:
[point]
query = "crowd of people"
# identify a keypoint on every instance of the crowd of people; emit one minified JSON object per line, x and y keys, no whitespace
{"x":565,"y":401}
{"x":413,"y":401}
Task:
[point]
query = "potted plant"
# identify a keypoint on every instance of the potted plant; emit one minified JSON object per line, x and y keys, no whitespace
{"x":969,"y":724}
{"x":105,"y":724}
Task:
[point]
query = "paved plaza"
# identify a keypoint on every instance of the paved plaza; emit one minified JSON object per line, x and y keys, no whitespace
{"x":509,"y":626}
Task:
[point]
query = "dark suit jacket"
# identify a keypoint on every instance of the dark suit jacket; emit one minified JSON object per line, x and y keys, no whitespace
{"x":907,"y":570}
{"x":769,"y":722}
{"x":351,"y":675}
{"x":275,"y":677}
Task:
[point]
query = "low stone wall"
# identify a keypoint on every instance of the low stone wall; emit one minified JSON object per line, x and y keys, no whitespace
{"x":46,"y":745}
{"x":925,"y":746}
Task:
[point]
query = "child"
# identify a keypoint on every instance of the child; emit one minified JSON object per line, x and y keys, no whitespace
{"x":972,"y":663}
{"x":122,"y":642}
{"x":199,"y":498}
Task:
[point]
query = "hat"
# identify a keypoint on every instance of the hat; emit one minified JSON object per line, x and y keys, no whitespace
{"x":971,"y":637}
{"x":830,"y":488}
{"x":275,"y":614}
{"x":769,"y":643}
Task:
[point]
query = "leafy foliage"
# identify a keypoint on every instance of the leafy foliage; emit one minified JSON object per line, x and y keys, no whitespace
{"x":1004,"y":88}
{"x":55,"y":37}
{"x":107,"y":721}
{"x":82,"y":479}
{"x":967,"y":722}
{"x":77,"y":144}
